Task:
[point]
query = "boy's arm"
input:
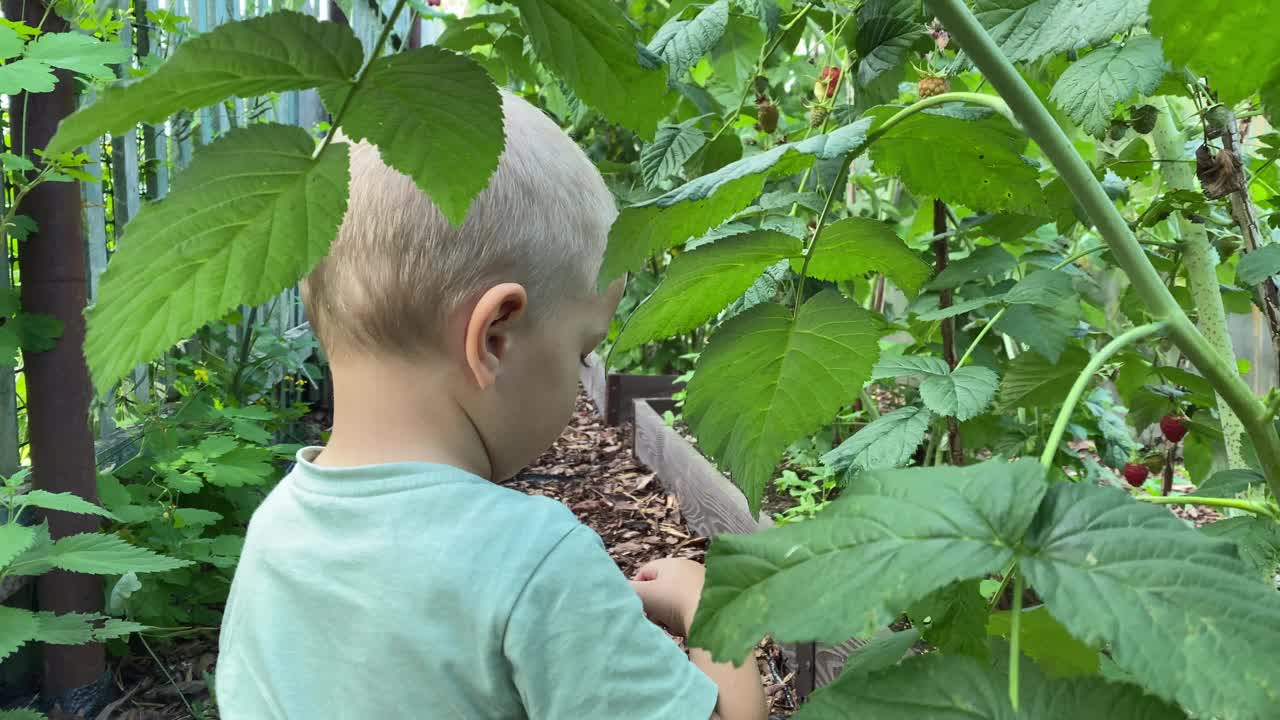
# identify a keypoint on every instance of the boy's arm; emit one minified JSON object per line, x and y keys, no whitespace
{"x":669,"y":590}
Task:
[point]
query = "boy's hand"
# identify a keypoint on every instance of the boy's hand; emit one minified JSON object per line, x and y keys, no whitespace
{"x":669,"y":589}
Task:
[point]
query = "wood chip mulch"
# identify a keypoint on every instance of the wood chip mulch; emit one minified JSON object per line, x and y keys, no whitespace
{"x":590,"y":468}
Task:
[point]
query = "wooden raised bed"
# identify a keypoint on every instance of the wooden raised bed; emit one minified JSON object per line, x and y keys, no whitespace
{"x":710,"y":503}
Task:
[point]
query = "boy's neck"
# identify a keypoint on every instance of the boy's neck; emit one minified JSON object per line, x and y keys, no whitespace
{"x":391,"y":410}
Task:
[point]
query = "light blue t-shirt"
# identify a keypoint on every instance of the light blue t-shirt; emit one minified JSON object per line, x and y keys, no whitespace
{"x":413,"y":590}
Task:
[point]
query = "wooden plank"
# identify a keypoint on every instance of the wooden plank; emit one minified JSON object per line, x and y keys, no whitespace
{"x":709,"y":502}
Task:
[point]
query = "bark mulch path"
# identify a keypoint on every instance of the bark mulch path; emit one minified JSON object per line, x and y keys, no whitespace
{"x":590,"y":468}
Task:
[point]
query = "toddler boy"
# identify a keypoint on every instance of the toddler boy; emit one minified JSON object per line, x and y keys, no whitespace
{"x":389,"y":575}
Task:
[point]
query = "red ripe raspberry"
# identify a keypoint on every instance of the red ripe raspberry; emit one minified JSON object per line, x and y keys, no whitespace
{"x":1173,"y":427}
{"x":825,"y":87}
{"x":1136,"y":474}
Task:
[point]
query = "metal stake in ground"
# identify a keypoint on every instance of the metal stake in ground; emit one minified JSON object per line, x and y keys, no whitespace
{"x":58,"y":389}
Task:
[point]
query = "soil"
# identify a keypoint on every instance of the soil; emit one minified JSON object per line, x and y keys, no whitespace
{"x":590,"y":468}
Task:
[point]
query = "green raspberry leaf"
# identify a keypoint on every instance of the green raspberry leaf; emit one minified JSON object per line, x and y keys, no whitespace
{"x":1031,"y":29}
{"x":889,"y":441}
{"x":450,"y":142}
{"x":767,"y":379}
{"x":705,"y":202}
{"x":1031,"y":381}
{"x":957,"y":620}
{"x":1091,"y":87}
{"x":65,"y":502}
{"x":1048,"y":643}
{"x":977,"y":163}
{"x":252,"y":213}
{"x":1234,"y":43}
{"x":106,"y":554}
{"x":670,"y":149}
{"x":14,"y":540}
{"x":986,"y":261}
{"x":592,"y":46}
{"x":848,"y":571}
{"x":1258,"y":265}
{"x":963,"y":393}
{"x":950,"y":687}
{"x":17,"y":628}
{"x":275,"y":52}
{"x":853,"y":247}
{"x":700,"y":283}
{"x":682,"y":42}
{"x":1184,"y":616}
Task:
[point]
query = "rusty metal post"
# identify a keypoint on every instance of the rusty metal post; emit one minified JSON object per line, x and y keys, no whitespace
{"x":52,"y":262}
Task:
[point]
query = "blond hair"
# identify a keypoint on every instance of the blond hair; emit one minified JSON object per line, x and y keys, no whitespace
{"x":398,"y":268}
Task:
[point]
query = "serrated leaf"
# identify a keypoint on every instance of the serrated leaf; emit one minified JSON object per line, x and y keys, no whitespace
{"x":591,"y":46}
{"x":22,"y":714}
{"x":705,"y":202}
{"x":450,"y":143}
{"x":963,"y":393}
{"x":986,"y":261}
{"x":681,"y":43}
{"x":671,"y":148}
{"x":1091,"y":87}
{"x":1031,"y":29}
{"x":700,"y":283}
{"x":896,"y":366}
{"x":196,"y":516}
{"x":14,"y":540}
{"x":1258,"y":265}
{"x":25,"y":75}
{"x":889,"y":441}
{"x":852,"y":247}
{"x":1048,"y":643}
{"x":106,"y":554}
{"x":882,"y":651}
{"x":948,"y":687}
{"x":66,"y":502}
{"x":1234,"y":43}
{"x":976,"y":163}
{"x":242,"y":466}
{"x":77,"y":52}
{"x":1229,"y":483}
{"x":275,"y":52}
{"x":65,"y":629}
{"x":1183,"y":614}
{"x":1043,"y":329}
{"x":1032,"y":381}
{"x":252,"y":213}
{"x":957,"y":620}
{"x":1044,"y":288}
{"x":1257,"y":539}
{"x":734,"y":58}
{"x":885,"y":39}
{"x":958,"y":308}
{"x":767,"y":379}
{"x":114,"y":628}
{"x":17,"y":628}
{"x":848,"y":571}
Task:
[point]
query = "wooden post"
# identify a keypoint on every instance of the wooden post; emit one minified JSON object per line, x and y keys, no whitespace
{"x":54,"y":282}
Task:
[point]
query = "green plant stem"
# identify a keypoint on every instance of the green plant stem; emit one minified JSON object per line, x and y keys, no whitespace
{"x":817,"y":234}
{"x":336,"y":121}
{"x":1077,"y":176}
{"x":1015,"y":636}
{"x":1099,"y":359}
{"x":1235,"y":503}
{"x":764,"y":58}
{"x":1200,"y":260}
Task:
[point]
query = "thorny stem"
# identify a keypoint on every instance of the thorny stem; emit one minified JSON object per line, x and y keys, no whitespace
{"x":1015,"y":636}
{"x":1234,"y":503}
{"x":1120,"y":342}
{"x":1075,"y":173}
{"x":336,"y":122}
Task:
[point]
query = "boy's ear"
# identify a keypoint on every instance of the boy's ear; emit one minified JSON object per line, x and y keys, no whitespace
{"x":488,"y":337}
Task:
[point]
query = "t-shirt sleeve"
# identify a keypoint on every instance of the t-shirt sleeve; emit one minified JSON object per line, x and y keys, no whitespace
{"x":580,"y":645}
